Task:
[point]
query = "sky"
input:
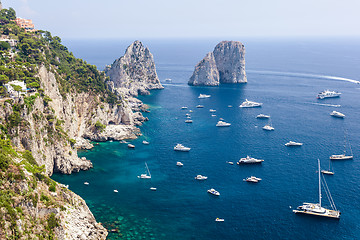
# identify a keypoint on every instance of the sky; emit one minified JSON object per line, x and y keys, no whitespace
{"x":191,"y":18}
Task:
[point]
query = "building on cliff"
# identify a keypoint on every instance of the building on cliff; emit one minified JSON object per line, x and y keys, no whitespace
{"x":27,"y":24}
{"x":10,"y":89}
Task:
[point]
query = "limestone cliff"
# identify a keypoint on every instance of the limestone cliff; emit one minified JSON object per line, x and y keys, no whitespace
{"x":135,"y":72}
{"x":205,"y":72}
{"x":228,"y":60}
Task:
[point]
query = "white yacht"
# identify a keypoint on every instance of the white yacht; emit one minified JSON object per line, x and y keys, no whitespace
{"x":204,"y":96}
{"x":293,"y":144}
{"x":249,"y":160}
{"x":191,"y":111}
{"x":262,"y":116}
{"x":183,"y":108}
{"x":328,"y":94}
{"x":229,"y":106}
{"x":145,"y":142}
{"x":268,"y":127}
{"x":219,"y":220}
{"x":147,"y":174}
{"x":180,"y":164}
{"x":201,"y":177}
{"x":153,"y":188}
{"x":188,"y":121}
{"x":252,"y":179}
{"x":188,"y":117}
{"x":116,"y":191}
{"x":213,"y":192}
{"x":180,"y":147}
{"x":212,"y":110}
{"x":86,"y":183}
{"x":250,"y":104}
{"x":337,"y":114}
{"x":200,"y":106}
{"x":213,"y":115}
{"x":315,"y":208}
{"x":131,"y":145}
{"x":223,"y":124}
{"x":343,"y":156}
{"x":231,"y":163}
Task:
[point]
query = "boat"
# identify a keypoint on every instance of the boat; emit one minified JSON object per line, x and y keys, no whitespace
{"x":145,"y":142}
{"x":249,"y":159}
{"x":131,"y":146}
{"x":86,"y":183}
{"x":200,"y":106}
{"x":180,"y":164}
{"x":250,"y":104}
{"x":203,"y":96}
{"x":229,"y":106}
{"x":293,"y":144}
{"x":221,"y":119}
{"x":153,"y":188}
{"x":252,"y":179}
{"x":147,"y":174}
{"x":183,"y":108}
{"x":212,"y":110}
{"x":201,"y":177}
{"x":231,"y":163}
{"x":223,"y":124}
{"x":262,"y":116}
{"x":123,"y":141}
{"x":213,"y":192}
{"x":188,"y":121}
{"x":180,"y":147}
{"x":116,"y":191}
{"x":328,"y":94}
{"x":268,"y":127}
{"x":191,"y":111}
{"x":188,"y":114}
{"x":316,"y":209}
{"x":219,"y":220}
{"x":188,"y":117}
{"x":213,"y":115}
{"x":337,"y":114}
{"x":343,"y":156}
{"x":168,"y":80}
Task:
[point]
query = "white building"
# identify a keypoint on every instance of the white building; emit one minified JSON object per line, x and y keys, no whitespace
{"x":11,"y":90}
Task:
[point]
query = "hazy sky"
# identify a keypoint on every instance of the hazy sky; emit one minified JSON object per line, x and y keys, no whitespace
{"x":191,"y":18}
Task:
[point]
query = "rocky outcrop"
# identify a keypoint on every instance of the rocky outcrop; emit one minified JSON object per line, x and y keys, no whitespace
{"x":206,"y":72}
{"x":227,"y":59}
{"x":134,"y":73}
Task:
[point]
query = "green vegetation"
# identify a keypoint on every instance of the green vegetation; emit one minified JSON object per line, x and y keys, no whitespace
{"x":99,"y":126}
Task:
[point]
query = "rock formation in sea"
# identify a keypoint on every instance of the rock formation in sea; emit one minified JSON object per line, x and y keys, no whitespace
{"x":135,"y":72}
{"x":226,"y":62}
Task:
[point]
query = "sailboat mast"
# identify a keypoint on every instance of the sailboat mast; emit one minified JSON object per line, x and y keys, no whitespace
{"x":319,"y":183}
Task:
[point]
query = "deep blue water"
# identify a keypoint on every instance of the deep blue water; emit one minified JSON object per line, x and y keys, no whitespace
{"x":181,"y":208}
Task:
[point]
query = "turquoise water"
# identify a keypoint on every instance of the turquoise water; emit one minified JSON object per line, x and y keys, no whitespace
{"x":181,"y":208}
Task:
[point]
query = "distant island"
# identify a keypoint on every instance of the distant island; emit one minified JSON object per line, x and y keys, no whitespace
{"x":226,"y":64}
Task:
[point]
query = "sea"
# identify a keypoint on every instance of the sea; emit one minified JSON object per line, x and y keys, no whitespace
{"x":285,"y":75}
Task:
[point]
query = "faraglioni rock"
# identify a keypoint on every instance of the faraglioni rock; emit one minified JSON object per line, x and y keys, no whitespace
{"x":226,"y":63}
{"x":135,"y":72}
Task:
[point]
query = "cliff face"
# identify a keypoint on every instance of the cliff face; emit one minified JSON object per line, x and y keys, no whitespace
{"x":205,"y":72}
{"x":134,"y":73}
{"x":228,"y":59}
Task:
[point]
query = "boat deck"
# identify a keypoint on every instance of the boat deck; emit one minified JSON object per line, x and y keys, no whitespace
{"x":328,"y":213}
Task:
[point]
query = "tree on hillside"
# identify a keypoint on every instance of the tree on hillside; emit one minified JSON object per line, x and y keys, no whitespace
{"x":17,"y":88}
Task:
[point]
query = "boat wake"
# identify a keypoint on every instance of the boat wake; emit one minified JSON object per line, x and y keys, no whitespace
{"x":324,"y":104}
{"x":303,"y":75}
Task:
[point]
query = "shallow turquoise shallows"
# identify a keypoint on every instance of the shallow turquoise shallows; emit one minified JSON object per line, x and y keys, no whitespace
{"x":285,"y":76}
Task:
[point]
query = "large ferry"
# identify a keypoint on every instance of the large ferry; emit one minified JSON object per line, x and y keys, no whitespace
{"x":328,"y":94}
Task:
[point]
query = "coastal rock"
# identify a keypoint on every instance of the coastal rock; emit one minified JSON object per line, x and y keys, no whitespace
{"x":206,"y":72}
{"x":82,"y":143}
{"x":226,"y":63}
{"x":135,"y":72}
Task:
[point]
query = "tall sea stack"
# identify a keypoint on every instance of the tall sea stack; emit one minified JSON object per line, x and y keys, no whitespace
{"x":226,"y":64}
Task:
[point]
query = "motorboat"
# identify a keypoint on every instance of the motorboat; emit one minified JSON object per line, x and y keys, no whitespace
{"x":252,"y":179}
{"x":337,"y":114}
{"x":316,"y":209}
{"x":219,"y":220}
{"x":131,"y":145}
{"x":213,"y":115}
{"x":262,"y":116}
{"x":268,"y":127}
{"x":328,"y":94}
{"x":123,"y":141}
{"x":204,"y":96}
{"x":213,"y":192}
{"x":223,"y":124}
{"x":249,"y":159}
{"x":180,"y":164}
{"x":168,"y":80}
{"x":201,"y":177}
{"x":188,"y":121}
{"x":147,"y":174}
{"x":200,"y":106}
{"x":327,"y":172}
{"x":180,"y":147}
{"x":229,"y":106}
{"x":212,"y":110}
{"x":188,"y":117}
{"x":145,"y":142}
{"x":153,"y":188}
{"x":86,"y":183}
{"x":190,"y":111}
{"x":183,"y":108}
{"x":293,"y":144}
{"x":250,"y":104}
{"x":116,"y":191}
{"x":188,"y":114}
{"x":231,"y":163}
{"x":221,"y":119}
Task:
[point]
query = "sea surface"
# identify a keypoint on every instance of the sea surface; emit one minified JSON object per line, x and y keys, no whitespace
{"x":283,"y":74}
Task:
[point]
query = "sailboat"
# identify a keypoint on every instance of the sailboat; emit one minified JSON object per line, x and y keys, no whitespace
{"x":328,"y":172}
{"x":315,"y":208}
{"x":147,"y":174}
{"x":343,"y":156}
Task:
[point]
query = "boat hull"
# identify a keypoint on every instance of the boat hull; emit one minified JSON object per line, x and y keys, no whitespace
{"x":341,"y":157}
{"x":328,"y":213}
